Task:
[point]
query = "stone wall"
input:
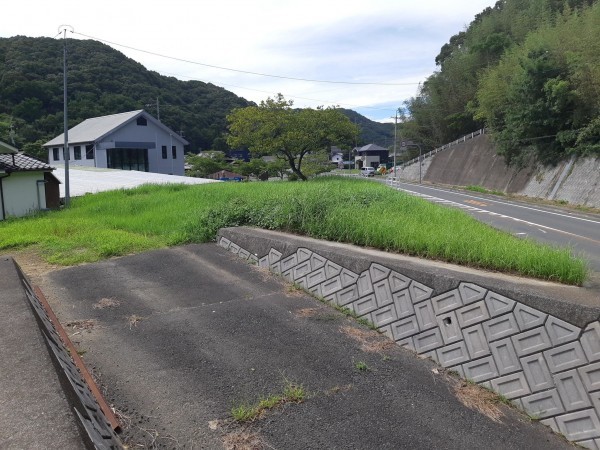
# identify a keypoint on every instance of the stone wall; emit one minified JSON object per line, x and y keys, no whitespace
{"x":547,"y":364}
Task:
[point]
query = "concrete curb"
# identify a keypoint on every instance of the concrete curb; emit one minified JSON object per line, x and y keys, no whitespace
{"x":536,"y":343}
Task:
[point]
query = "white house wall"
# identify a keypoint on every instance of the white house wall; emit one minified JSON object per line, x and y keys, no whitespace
{"x":156,"y":137}
{"x":21,"y":193}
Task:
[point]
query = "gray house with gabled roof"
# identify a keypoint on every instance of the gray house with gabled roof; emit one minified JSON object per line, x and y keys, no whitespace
{"x":132,"y":140}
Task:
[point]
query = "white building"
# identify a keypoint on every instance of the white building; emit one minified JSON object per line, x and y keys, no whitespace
{"x":26,"y":184}
{"x":129,"y":141}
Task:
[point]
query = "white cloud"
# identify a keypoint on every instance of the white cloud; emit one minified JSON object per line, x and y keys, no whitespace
{"x":386,"y":41}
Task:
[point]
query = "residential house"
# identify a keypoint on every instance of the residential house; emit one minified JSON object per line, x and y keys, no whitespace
{"x":370,"y":155}
{"x":26,"y":184}
{"x":226,"y":175}
{"x":129,"y":141}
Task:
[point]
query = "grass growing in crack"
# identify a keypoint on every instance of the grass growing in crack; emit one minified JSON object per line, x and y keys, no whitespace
{"x":350,"y":313}
{"x":292,"y":393}
{"x":361,"y":366}
{"x":360,"y":212}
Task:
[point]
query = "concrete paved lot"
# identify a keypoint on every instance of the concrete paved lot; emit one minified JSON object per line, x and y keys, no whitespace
{"x":178,"y":337}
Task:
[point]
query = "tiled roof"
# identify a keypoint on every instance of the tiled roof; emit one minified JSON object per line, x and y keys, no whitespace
{"x":19,"y":162}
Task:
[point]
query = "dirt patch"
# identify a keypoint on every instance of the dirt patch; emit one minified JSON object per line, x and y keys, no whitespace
{"x":81,"y":325}
{"x":479,"y":399}
{"x":133,"y":320}
{"x":33,"y":265}
{"x":307,"y":312}
{"x":369,"y":340}
{"x":106,"y":303}
{"x":243,"y":440}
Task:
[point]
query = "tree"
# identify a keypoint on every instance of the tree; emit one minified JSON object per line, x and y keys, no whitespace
{"x":206,"y":164}
{"x":275,"y":128}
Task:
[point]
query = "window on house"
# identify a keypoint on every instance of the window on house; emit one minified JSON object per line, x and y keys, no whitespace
{"x":164,"y":152}
{"x":77,"y":152}
{"x":174,"y":151}
{"x":55,"y":155}
{"x":141,"y":121}
{"x":89,"y":151}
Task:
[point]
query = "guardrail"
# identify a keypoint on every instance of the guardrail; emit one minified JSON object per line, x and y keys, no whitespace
{"x":445,"y":147}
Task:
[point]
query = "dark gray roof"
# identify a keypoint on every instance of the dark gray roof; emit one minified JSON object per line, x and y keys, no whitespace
{"x":94,"y":129}
{"x":371,"y":147}
{"x":20,"y":162}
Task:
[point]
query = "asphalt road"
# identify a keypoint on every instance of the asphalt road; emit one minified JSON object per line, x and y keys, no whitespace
{"x":177,"y":337}
{"x":552,"y":225}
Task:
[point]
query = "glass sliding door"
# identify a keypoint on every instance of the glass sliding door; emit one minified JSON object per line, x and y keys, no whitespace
{"x":127,"y":159}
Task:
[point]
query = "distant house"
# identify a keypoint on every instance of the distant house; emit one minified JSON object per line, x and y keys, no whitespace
{"x":26,"y":184}
{"x":226,"y":175}
{"x":129,"y":141}
{"x":336,"y":155}
{"x":370,"y":155}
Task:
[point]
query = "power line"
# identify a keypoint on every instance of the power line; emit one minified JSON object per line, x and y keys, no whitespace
{"x":243,"y":71}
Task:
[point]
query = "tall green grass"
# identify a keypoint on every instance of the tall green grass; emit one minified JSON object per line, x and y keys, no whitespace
{"x":346,"y":210}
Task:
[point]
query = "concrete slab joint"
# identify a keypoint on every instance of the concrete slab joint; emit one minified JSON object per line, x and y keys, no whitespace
{"x":540,"y":361}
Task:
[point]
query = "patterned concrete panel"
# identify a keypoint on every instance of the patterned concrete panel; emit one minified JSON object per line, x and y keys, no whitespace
{"x":543,"y":404}
{"x":531,"y":341}
{"x":405,"y":328}
{"x":264,"y":262}
{"x":483,"y":369}
{"x":365,"y":305}
{"x":476,"y":341}
{"x":446,"y":302}
{"x":571,"y":390}
{"x":590,"y":341}
{"x":561,"y":332}
{"x":505,"y":356}
{"x":253,"y":259}
{"x":224,"y":242}
{"x":274,"y":256}
{"x":590,"y":444}
{"x":347,"y":295}
{"x":348,"y":277}
{"x":398,"y":281}
{"x":428,"y":340}
{"x":425,"y":316}
{"x":403,"y":303}
{"x":383,"y":293}
{"x":303,"y":254}
{"x":302,"y":269}
{"x":317,"y":261}
{"x":528,"y":318}
{"x":579,"y":425}
{"x":316,"y":277}
{"x":501,"y":327}
{"x":384,"y":316}
{"x":590,"y":375}
{"x":378,"y":272}
{"x":289,"y":262}
{"x":449,"y":327}
{"x":288,"y":276}
{"x":565,"y":357}
{"x":459,"y":370}
{"x":419,"y":292}
{"x":537,"y":373}
{"x":331,"y":286}
{"x":472,"y":314}
{"x":544,"y":364}
{"x":551,"y":423}
{"x":332,"y":269}
{"x":498,"y":304}
{"x":453,"y":354}
{"x":470,"y":292}
{"x":511,"y":386}
{"x":364,"y":283}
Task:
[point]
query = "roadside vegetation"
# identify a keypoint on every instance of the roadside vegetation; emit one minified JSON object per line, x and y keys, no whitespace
{"x":346,"y":210}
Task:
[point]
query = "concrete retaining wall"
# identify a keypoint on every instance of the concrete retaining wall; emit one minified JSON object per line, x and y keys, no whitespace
{"x":475,"y":162}
{"x":536,"y":343}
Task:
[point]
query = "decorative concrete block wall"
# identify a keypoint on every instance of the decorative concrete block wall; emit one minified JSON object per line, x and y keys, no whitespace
{"x":546,"y":366}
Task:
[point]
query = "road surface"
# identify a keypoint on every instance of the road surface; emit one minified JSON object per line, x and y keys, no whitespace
{"x":552,"y":225}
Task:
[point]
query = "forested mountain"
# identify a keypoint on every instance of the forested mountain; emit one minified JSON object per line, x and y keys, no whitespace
{"x":529,"y":70}
{"x":101,"y":81}
{"x":371,"y":132}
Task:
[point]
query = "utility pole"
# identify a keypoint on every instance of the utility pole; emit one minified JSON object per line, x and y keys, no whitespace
{"x":157,"y":110}
{"x":395,"y":141}
{"x":66,"y":118}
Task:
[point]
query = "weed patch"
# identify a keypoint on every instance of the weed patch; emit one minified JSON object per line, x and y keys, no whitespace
{"x":292,"y":393}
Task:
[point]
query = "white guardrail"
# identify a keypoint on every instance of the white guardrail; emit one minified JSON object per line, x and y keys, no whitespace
{"x":446,"y":146}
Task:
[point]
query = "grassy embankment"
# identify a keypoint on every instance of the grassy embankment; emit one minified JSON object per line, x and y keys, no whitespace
{"x":347,"y":210}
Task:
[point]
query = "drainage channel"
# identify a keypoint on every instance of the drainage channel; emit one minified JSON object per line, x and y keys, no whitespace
{"x":97,"y":421}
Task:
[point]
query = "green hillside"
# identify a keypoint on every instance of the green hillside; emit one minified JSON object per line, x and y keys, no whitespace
{"x":101,"y":81}
{"x":528,"y":70}
{"x":371,"y":132}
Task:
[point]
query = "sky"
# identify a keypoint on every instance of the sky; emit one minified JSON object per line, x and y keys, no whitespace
{"x":373,"y":53}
